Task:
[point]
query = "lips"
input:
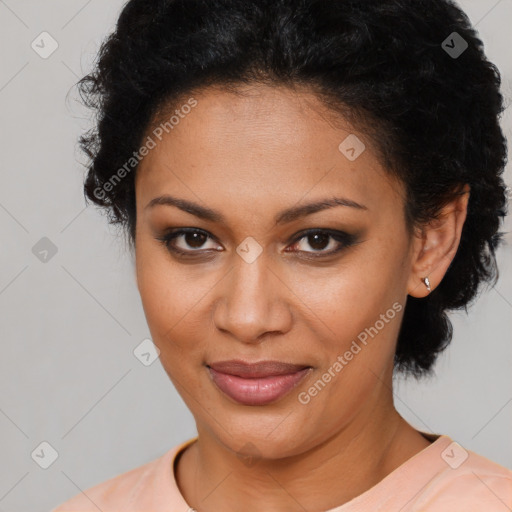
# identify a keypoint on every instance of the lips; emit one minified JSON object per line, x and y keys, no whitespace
{"x":256,"y":370}
{"x":256,"y":383}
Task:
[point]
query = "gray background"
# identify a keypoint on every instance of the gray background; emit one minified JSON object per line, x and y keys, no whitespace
{"x":69,"y":326}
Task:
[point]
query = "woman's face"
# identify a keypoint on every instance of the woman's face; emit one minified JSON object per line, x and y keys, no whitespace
{"x":245,"y":287}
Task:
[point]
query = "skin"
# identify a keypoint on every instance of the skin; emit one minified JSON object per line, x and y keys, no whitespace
{"x":249,"y":157}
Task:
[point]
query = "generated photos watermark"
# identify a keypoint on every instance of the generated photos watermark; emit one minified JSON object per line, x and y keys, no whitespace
{"x":304,"y":397}
{"x":149,"y":144}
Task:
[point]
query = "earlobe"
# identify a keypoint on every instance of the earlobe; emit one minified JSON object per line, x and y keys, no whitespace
{"x":436,"y":246}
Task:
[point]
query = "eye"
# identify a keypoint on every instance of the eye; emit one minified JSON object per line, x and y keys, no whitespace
{"x":321,"y":239}
{"x":190,"y":238}
{"x":193,"y":240}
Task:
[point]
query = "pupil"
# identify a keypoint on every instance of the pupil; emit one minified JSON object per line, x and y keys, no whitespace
{"x":197,"y":239}
{"x":322,"y":237}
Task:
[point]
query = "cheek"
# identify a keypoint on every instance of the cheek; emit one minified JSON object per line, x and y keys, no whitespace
{"x":357,"y":310}
{"x":352,"y":295}
{"x":163,"y":291}
{"x":357,"y":319}
{"x":175,"y":302}
{"x":335,"y":304}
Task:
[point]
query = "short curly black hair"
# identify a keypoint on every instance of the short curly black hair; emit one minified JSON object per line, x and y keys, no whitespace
{"x":430,"y":104}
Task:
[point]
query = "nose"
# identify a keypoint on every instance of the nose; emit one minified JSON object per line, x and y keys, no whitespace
{"x":253,"y":302}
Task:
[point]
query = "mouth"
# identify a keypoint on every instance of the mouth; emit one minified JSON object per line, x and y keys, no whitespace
{"x":258,"y":383}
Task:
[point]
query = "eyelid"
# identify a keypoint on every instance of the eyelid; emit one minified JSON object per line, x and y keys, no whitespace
{"x":172,"y":234}
{"x":341,"y":237}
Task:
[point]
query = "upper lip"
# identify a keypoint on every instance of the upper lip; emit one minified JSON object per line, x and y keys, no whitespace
{"x":255,"y":370}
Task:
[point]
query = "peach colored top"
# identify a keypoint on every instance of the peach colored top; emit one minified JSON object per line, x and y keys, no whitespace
{"x":443,"y":477}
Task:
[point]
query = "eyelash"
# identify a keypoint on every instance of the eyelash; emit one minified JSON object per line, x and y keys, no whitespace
{"x":344,"y":239}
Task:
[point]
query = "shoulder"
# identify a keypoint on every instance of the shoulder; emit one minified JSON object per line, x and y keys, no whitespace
{"x":113,"y":492}
{"x":443,"y":477}
{"x":468,"y":479}
{"x":130,"y":491}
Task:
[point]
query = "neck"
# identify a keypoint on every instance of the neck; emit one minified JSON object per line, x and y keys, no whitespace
{"x":211,"y":477}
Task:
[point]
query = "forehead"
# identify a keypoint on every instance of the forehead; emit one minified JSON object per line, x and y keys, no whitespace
{"x":261,"y":146}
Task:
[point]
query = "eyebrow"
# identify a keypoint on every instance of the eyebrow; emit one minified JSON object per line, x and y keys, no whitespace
{"x":288,"y":215}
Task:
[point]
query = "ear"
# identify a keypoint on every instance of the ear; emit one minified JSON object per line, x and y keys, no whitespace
{"x":436,"y":244}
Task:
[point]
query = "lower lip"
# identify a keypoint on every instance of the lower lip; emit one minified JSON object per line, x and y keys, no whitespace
{"x":260,"y":391}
